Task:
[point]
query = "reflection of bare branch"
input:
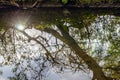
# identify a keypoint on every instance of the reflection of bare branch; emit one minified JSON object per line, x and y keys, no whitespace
{"x":57,"y":35}
{"x":59,"y":49}
{"x":46,"y":41}
{"x":9,"y":3}
{"x":2,"y":37}
{"x":48,"y":54}
{"x":54,"y":33}
{"x":35,"y":4}
{"x":14,"y":3}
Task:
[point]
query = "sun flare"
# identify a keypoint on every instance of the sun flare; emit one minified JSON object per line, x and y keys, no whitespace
{"x":20,"y":27}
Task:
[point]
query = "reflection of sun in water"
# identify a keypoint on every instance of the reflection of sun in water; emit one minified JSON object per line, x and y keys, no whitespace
{"x":20,"y":27}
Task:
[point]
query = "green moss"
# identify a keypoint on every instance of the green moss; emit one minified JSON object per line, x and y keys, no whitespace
{"x":64,"y":1}
{"x":85,"y":1}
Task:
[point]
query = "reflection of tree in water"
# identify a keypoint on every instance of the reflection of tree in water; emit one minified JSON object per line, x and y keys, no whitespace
{"x":37,"y":54}
{"x":36,"y":51}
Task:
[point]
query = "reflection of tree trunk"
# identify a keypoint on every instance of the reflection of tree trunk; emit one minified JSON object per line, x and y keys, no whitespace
{"x":38,"y":3}
{"x":66,"y":38}
{"x":35,"y":3}
{"x":97,"y":70}
{"x":14,"y":3}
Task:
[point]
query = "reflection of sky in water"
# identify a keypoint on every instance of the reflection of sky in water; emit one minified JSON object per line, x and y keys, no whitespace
{"x":68,"y":76}
{"x":33,"y":47}
{"x":51,"y":75}
{"x":6,"y":72}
